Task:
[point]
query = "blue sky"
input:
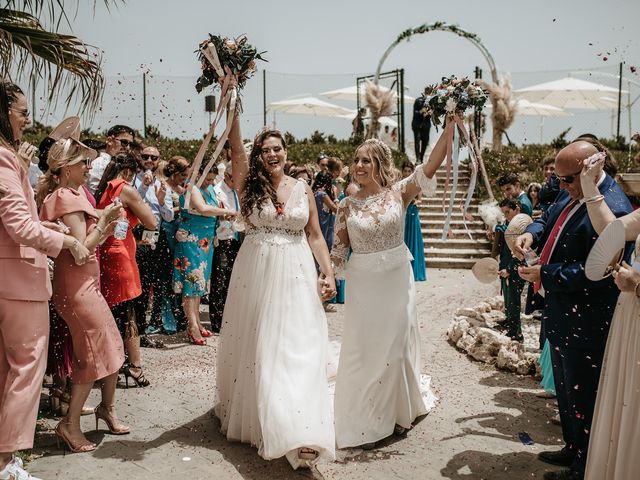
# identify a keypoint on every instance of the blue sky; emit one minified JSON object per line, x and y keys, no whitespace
{"x":317,"y":46}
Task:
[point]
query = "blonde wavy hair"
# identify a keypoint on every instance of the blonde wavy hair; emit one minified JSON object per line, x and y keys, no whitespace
{"x":61,"y":153}
{"x":382,"y":158}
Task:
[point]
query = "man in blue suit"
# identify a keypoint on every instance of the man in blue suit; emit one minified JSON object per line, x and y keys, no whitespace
{"x":576,"y":311}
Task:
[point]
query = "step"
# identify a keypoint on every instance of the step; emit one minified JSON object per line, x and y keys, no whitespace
{"x":461,"y":243}
{"x":456,"y":253}
{"x":436,"y":233}
{"x":435,"y":215}
{"x":453,"y":224}
{"x":450,"y":263}
{"x":437,"y":201}
{"x":437,"y":209}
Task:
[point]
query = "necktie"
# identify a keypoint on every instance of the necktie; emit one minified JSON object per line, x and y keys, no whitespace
{"x":548,"y":246}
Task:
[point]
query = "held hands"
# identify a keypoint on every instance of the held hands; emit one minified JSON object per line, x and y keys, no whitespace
{"x":523,"y":243}
{"x":26,"y":152}
{"x":326,"y":287}
{"x":503,"y":274}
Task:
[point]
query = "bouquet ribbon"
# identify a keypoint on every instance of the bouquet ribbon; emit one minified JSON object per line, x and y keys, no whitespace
{"x":453,"y":163}
{"x":228,"y":104}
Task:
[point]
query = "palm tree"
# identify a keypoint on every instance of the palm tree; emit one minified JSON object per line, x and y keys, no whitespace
{"x":63,"y":62}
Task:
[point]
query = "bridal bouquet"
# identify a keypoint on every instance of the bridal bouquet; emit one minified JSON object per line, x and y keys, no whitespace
{"x":221,"y":55}
{"x":453,"y":96}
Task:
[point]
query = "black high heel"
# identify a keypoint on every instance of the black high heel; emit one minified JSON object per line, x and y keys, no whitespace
{"x":140,"y":380}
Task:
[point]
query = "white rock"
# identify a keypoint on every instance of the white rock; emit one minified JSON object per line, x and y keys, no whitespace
{"x":467,"y":312}
{"x":483,"y":307}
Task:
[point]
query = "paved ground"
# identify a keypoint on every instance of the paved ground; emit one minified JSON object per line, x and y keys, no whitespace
{"x":471,"y":434}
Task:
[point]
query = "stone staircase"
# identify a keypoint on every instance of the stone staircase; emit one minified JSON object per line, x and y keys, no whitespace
{"x":457,"y":251}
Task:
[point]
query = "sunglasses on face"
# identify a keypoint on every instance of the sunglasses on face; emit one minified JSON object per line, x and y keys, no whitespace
{"x":146,"y":156}
{"x":124,"y":142}
{"x":25,"y":113}
{"x":567,"y":178}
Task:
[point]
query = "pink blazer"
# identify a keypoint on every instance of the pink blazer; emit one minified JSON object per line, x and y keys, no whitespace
{"x":24,"y":242}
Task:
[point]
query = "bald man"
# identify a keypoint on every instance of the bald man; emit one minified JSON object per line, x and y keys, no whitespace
{"x":576,"y":311}
{"x":157,"y":194}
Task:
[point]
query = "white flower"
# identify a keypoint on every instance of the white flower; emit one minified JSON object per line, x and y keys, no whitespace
{"x":451,"y":105}
{"x":182,"y":235}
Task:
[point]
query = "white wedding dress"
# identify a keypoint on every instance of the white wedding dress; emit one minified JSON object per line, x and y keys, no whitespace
{"x":272,"y":389}
{"x":378,"y":382}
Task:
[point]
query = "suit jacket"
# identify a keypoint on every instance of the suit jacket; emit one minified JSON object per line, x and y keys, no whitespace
{"x":24,"y":242}
{"x":577,"y":311}
{"x":419,"y":122}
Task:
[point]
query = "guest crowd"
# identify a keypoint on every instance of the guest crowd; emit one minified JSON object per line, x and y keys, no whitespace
{"x":131,"y":259}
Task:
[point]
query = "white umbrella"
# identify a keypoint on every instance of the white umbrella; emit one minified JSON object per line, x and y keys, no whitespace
{"x":525,"y":107}
{"x":351,"y":94}
{"x":570,"y":92}
{"x":309,"y":106}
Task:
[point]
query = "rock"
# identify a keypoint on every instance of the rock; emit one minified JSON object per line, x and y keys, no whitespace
{"x":483,"y":307}
{"x":456,"y":329}
{"x":493,"y":317}
{"x":466,"y":342}
{"x":496,"y":303}
{"x":467,"y":312}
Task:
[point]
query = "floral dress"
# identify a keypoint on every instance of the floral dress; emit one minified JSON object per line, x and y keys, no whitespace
{"x":194,"y":249}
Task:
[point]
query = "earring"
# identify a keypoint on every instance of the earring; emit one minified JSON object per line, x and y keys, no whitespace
{"x":67,"y":174}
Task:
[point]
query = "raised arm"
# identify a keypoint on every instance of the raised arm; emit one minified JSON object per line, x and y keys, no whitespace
{"x":104,"y":227}
{"x":599,"y":212}
{"x":200,"y":207}
{"x":133,"y":201}
{"x":239,"y":158}
{"x":423,"y":179}
{"x":341,"y":241}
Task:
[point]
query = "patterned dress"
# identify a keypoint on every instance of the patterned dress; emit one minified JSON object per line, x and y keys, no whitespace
{"x":194,"y":249}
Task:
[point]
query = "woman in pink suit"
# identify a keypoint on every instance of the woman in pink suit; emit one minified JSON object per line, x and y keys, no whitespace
{"x":24,"y":312}
{"x":98,"y":352}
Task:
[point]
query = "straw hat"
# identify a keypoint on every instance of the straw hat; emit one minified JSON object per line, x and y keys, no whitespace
{"x":607,"y":252}
{"x":485,"y":270}
{"x":516,"y":227}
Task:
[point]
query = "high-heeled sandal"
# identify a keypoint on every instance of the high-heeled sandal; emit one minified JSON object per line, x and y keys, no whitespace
{"x":205,"y":333}
{"x":66,"y":441}
{"x":196,"y":341}
{"x":101,"y":413}
{"x":140,"y":380}
{"x":59,"y":403}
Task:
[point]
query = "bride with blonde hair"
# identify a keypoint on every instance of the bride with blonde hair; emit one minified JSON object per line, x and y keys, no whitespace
{"x":378,"y":388}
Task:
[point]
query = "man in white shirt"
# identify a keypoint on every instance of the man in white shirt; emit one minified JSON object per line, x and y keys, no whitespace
{"x":227,"y":243}
{"x":119,"y":140}
{"x":158,"y":196}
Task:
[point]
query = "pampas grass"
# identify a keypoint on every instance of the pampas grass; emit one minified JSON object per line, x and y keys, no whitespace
{"x":380,"y":103}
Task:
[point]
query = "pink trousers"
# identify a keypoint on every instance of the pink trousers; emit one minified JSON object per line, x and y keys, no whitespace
{"x":24,"y":332}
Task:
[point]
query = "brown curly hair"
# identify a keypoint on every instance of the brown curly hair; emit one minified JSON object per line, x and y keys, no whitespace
{"x":258,"y":188}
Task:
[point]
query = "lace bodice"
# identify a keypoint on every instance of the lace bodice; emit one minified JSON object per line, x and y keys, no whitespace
{"x":288,"y":224}
{"x":376,"y":223}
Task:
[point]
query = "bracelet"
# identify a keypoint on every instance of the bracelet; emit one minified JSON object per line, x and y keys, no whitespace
{"x":595,"y":198}
{"x":100,"y":230}
{"x":635,"y":290}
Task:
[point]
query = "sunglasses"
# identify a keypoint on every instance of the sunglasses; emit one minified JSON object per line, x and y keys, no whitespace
{"x":124,"y":142}
{"x":25,"y":113}
{"x":146,"y":156}
{"x":567,"y":178}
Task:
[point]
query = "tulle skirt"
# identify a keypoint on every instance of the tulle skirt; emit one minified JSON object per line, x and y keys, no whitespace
{"x":272,"y":389}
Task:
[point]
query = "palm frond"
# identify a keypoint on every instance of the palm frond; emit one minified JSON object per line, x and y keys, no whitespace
{"x":63,"y":62}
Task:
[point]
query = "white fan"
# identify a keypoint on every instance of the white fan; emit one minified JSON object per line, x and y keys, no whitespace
{"x":606,"y":252}
{"x":485,"y":270}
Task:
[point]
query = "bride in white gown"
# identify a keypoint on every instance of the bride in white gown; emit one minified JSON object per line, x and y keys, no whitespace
{"x":378,"y":387}
{"x":272,"y":389}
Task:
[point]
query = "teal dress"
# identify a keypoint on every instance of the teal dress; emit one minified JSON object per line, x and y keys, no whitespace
{"x":415,"y":243}
{"x":340,"y":285}
{"x":194,"y":249}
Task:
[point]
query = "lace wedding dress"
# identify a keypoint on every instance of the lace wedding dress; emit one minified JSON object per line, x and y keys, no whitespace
{"x":272,"y":386}
{"x":378,"y":383}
